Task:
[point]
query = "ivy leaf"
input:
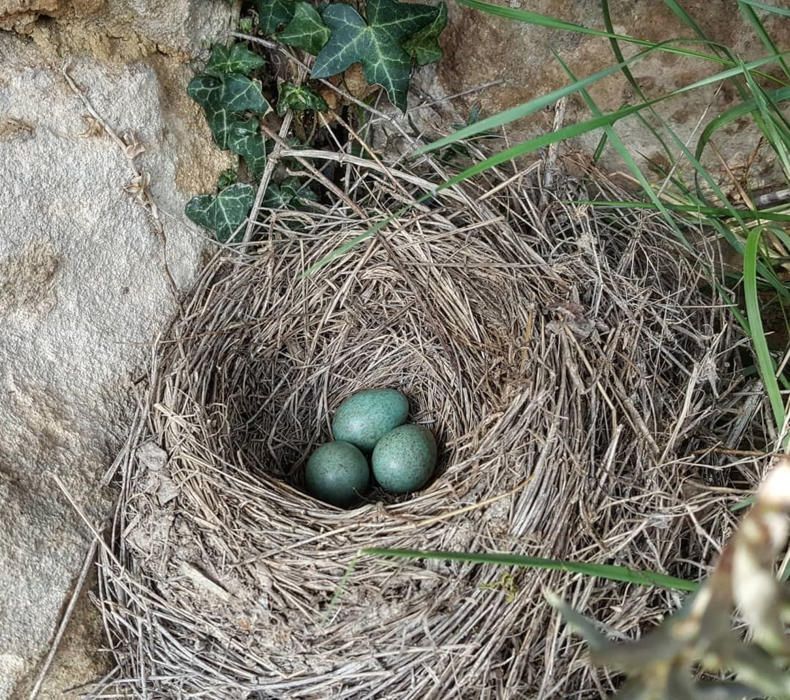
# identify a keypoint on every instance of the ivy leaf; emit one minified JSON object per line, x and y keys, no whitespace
{"x":245,"y":25}
{"x":236,"y":58}
{"x":375,"y":43}
{"x":424,"y":47}
{"x":300,"y":193}
{"x":245,"y":138}
{"x":276,"y":198}
{"x":273,"y":14}
{"x":242,"y":136}
{"x":221,"y":123}
{"x":299,"y":98}
{"x":306,"y":30}
{"x":226,"y":177}
{"x":232,"y":92}
{"x":222,"y":213}
{"x":288,"y":194}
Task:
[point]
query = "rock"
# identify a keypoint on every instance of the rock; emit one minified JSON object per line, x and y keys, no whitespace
{"x":82,"y":656}
{"x":480,"y":48}
{"x":119,"y":29}
{"x":86,"y":282}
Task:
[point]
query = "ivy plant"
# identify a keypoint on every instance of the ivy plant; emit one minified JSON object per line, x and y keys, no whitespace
{"x":274,"y":14}
{"x":305,"y":30}
{"x":233,"y":102}
{"x":299,"y":98}
{"x":223,"y":212}
{"x":390,"y":39}
{"x":289,"y":194}
{"x":375,"y":43}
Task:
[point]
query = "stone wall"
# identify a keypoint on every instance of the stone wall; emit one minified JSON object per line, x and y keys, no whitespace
{"x":88,"y":268}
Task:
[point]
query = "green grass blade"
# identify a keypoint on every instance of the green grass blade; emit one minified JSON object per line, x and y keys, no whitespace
{"x":600,"y":148}
{"x":668,"y":46}
{"x":629,"y":76}
{"x":534,"y":144}
{"x":524,"y":110}
{"x":743,"y":503}
{"x":764,"y":360}
{"x":658,"y":204}
{"x":656,"y":201}
{"x":625,"y":154}
{"x":527,"y":108}
{"x":784,"y":12}
{"x":751,"y":17}
{"x":539,"y":20}
{"x":349,"y":245}
{"x":606,"y":571}
{"x":578,"y":129}
{"x":780,"y":233}
{"x":730,"y":115}
{"x":730,"y":72}
{"x":774,"y":126}
{"x":685,"y":17}
{"x":718,"y":212}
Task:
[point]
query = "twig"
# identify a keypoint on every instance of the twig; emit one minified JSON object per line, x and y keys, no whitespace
{"x":271,"y":164}
{"x":551,"y":159}
{"x":326,"y":182}
{"x":65,"y":617}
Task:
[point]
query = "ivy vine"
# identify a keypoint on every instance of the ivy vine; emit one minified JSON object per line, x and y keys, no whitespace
{"x":237,"y":92}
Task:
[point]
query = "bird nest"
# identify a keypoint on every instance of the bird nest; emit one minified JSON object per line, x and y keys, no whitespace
{"x":572,"y":368}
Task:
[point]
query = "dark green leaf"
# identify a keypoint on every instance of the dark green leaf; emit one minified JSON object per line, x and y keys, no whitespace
{"x":276,"y":198}
{"x":376,"y":44}
{"x":242,"y":136}
{"x":222,"y":213}
{"x":306,"y":30}
{"x":221,"y":122}
{"x":299,"y":98}
{"x":289,"y":193}
{"x":245,"y":138}
{"x":424,"y":47}
{"x":226,"y":178}
{"x":300,"y":192}
{"x":233,"y":93}
{"x":233,"y":59}
{"x":273,"y":14}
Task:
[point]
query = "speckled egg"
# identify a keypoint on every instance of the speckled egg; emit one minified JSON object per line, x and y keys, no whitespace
{"x":338,"y":473}
{"x":364,"y":418}
{"x":404,"y":459}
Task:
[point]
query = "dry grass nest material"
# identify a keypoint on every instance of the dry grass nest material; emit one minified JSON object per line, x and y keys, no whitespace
{"x":570,"y":366}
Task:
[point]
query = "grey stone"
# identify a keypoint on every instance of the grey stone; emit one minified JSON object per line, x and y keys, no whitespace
{"x":83,"y":291}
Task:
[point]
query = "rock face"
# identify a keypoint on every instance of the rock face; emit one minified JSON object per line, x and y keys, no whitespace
{"x":118,"y":28}
{"x":480,"y":48}
{"x":86,"y":276}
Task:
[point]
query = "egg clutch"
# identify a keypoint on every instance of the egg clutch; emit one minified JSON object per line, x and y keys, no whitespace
{"x":371,"y":425}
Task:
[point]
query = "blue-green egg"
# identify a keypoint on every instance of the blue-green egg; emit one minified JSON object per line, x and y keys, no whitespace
{"x":367,"y":416}
{"x":404,"y":459}
{"x":338,"y":473}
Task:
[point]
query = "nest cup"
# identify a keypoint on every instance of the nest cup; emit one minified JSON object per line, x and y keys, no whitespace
{"x":452,"y":348}
{"x":549,"y":348}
